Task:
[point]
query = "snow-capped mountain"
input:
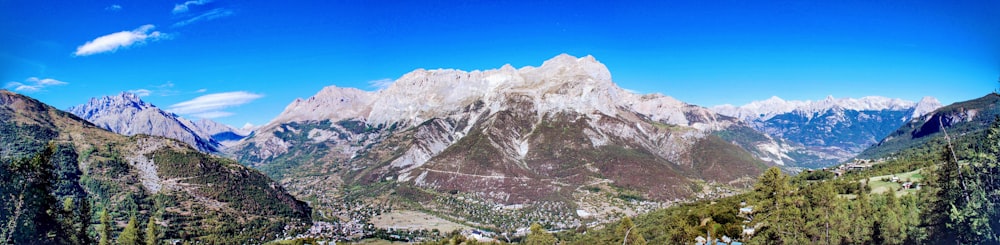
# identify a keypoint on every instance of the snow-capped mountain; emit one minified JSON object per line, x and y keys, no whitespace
{"x":766,"y":109}
{"x":127,"y":114}
{"x":832,"y":130}
{"x":508,"y":136}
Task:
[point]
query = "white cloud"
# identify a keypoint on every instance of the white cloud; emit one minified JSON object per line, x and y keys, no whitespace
{"x":114,"y":8}
{"x":381,"y":83}
{"x":201,"y":90}
{"x":34,"y":84}
{"x":122,"y":39}
{"x":212,"y":114}
{"x":210,"y":15}
{"x":211,"y":105}
{"x":141,"y":92}
{"x":184,"y":7}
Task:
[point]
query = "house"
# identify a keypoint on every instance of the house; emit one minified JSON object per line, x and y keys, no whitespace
{"x":907,"y":185}
{"x":748,"y":232}
{"x":700,"y":240}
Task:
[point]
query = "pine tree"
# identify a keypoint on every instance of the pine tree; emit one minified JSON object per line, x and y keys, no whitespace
{"x":539,"y":236}
{"x":863,"y":215}
{"x":822,"y":219}
{"x":628,"y":234}
{"x":105,"y":230}
{"x":130,"y":235}
{"x":151,"y":234}
{"x":944,"y":201}
{"x":83,"y":223}
{"x":889,"y":220}
{"x":37,"y":216}
{"x":777,"y":210}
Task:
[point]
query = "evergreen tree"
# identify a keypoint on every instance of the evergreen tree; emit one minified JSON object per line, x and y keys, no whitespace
{"x":777,"y":209}
{"x":823,"y":221}
{"x":105,"y":229}
{"x":626,"y":233}
{"x":943,"y":192}
{"x":539,"y":236}
{"x":863,"y":215}
{"x":130,"y":235}
{"x":890,"y":226}
{"x":36,"y":216}
{"x":152,"y":237}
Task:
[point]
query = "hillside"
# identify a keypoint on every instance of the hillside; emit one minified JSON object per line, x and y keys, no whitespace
{"x":73,"y":163}
{"x":963,"y":121}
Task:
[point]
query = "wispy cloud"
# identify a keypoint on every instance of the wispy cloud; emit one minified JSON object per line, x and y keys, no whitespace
{"x":210,"y":15}
{"x":122,"y":39}
{"x":381,"y":83}
{"x":201,"y":90}
{"x":165,"y":89}
{"x":33,"y":84}
{"x":114,"y":8}
{"x":212,"y":114}
{"x":185,"y":7}
{"x":141,"y":92}
{"x":212,"y":105}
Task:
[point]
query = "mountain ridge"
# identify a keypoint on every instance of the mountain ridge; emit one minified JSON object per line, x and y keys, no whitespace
{"x":503,"y":137}
{"x":830,"y":131}
{"x":766,"y":109}
{"x":126,"y":113}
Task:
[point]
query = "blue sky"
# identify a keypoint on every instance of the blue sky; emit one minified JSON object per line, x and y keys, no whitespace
{"x":244,"y":61}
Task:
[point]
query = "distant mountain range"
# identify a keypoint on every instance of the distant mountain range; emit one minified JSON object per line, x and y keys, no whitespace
{"x":127,"y":114}
{"x":830,"y":131}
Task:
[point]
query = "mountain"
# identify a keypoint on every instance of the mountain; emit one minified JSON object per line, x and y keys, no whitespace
{"x":52,"y":161}
{"x":224,"y":134}
{"x":127,"y":114}
{"x":964,"y":122}
{"x":826,"y":132}
{"x":533,"y":144}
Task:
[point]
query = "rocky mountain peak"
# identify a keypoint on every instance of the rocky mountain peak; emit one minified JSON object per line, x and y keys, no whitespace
{"x":561,"y":83}
{"x":123,"y":101}
{"x":330,"y":103}
{"x":926,"y":105}
{"x":128,"y":114}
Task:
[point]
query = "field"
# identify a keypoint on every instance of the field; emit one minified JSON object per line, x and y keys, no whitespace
{"x":882,"y":184}
{"x":413,"y":220}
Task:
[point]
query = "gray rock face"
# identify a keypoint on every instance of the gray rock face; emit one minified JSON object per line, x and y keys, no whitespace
{"x":127,"y":114}
{"x":552,"y":128}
